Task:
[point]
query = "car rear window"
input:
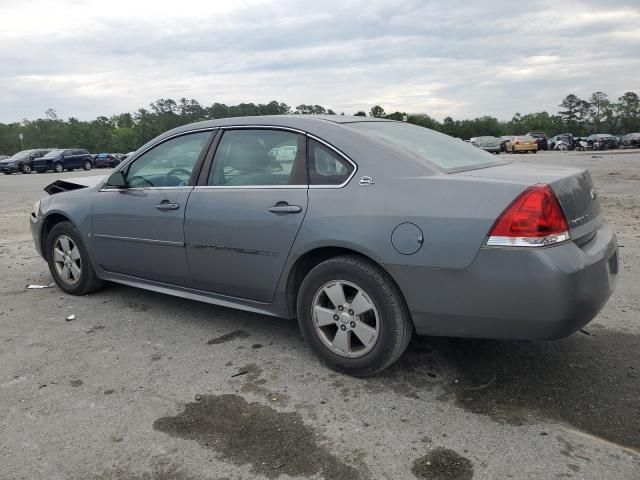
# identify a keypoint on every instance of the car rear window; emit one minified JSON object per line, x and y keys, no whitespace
{"x":428,"y":146}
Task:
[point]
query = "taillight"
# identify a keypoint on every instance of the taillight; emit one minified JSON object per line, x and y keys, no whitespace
{"x":517,"y":143}
{"x":534,"y":219}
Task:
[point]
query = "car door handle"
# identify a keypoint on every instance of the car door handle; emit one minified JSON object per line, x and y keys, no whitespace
{"x":284,"y":207}
{"x":168,"y":206}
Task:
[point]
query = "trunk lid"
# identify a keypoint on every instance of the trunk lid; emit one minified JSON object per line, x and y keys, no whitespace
{"x":574,"y":189}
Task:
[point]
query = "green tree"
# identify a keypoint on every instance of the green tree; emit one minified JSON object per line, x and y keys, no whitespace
{"x":360,"y":113}
{"x":598,"y":105}
{"x":377,"y":111}
{"x":628,"y":112}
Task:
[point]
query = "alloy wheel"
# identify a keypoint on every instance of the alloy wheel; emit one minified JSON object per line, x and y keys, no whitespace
{"x":66,"y":257}
{"x":26,"y":169}
{"x":345,"y":319}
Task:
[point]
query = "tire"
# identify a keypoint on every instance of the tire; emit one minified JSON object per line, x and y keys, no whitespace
{"x":382,"y":308}
{"x":57,"y":167}
{"x":86,"y":280}
{"x":7,"y":173}
{"x":534,"y":151}
{"x":87,"y":165}
{"x":26,"y":169}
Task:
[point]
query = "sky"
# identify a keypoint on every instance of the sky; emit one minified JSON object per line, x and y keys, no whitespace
{"x":86,"y":58}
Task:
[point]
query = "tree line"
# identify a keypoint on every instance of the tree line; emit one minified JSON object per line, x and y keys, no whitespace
{"x":128,"y":131}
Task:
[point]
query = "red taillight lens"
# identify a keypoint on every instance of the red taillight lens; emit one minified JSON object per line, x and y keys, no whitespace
{"x":535,"y":218}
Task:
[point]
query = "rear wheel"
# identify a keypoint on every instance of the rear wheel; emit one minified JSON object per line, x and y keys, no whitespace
{"x":87,"y":165}
{"x":69,"y":261}
{"x":353,"y":316}
{"x":58,"y":167}
{"x":26,"y":168}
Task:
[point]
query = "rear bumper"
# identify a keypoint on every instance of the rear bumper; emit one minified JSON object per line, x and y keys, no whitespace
{"x":493,"y":149}
{"x":514,"y":293}
{"x":525,"y":148}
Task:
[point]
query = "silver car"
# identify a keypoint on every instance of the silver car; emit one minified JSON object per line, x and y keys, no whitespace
{"x":367,"y":231}
{"x":487,"y":143}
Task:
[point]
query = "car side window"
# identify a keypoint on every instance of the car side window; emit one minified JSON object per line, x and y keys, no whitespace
{"x":258,"y":157}
{"x":325,"y":166}
{"x":169,"y":164}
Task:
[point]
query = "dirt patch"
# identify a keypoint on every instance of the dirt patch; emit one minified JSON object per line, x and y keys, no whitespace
{"x":443,"y":464}
{"x":272,"y":442}
{"x":159,"y":471}
{"x":227,"y":337}
{"x":590,"y":381}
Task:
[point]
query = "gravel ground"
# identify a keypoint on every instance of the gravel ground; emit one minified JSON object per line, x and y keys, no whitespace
{"x":145,"y":386}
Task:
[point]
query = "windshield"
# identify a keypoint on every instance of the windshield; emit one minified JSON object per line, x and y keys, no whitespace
{"x":53,"y":153}
{"x":428,"y":146}
{"x":20,"y":155}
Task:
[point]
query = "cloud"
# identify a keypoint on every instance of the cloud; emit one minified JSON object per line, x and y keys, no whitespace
{"x":464,"y":59}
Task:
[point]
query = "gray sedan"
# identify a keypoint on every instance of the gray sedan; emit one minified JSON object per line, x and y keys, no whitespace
{"x":367,"y":231}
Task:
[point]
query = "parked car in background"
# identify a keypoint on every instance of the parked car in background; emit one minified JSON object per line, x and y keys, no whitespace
{"x":487,"y":143}
{"x":541,"y":140}
{"x":22,"y":161}
{"x":504,"y":139}
{"x":2,"y":157}
{"x":106,"y":160}
{"x":630,"y":140}
{"x":562,"y":141}
{"x":522,"y":143}
{"x":603,"y":141}
{"x":64,"y":159}
{"x":375,"y":231}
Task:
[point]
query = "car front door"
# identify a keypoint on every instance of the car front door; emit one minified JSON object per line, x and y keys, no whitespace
{"x":138,"y":230}
{"x":244,"y":215}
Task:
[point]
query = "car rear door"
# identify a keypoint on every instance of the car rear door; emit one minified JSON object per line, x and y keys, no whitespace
{"x":244,"y":215}
{"x":138,"y":231}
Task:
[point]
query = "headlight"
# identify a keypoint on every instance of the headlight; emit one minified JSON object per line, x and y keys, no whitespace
{"x":36,"y":208}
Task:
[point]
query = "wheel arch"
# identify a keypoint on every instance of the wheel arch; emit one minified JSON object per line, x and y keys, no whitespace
{"x":308,"y":260}
{"x":48,"y":223}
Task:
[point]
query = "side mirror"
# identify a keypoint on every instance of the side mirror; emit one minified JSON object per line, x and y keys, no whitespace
{"x":117,"y":180}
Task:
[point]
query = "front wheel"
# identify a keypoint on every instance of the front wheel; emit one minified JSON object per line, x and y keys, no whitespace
{"x":26,"y":168}
{"x":87,"y":165}
{"x":58,"y":168}
{"x":69,"y":261}
{"x":353,"y":316}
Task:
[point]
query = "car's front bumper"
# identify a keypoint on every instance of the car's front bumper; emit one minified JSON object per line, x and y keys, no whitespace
{"x":35,"y":223}
{"x":514,"y":293}
{"x":40,"y":167}
{"x":8,"y":168}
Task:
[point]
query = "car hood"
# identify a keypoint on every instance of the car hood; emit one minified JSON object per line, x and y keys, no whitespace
{"x":69,"y":184}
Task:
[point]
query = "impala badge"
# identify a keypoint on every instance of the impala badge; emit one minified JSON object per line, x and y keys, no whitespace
{"x":594,"y":194}
{"x":366,"y":181}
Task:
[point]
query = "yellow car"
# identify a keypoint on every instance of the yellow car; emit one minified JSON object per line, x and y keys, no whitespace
{"x":522,"y":143}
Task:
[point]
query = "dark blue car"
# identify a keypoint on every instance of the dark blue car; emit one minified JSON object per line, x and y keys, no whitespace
{"x":67,"y":159}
